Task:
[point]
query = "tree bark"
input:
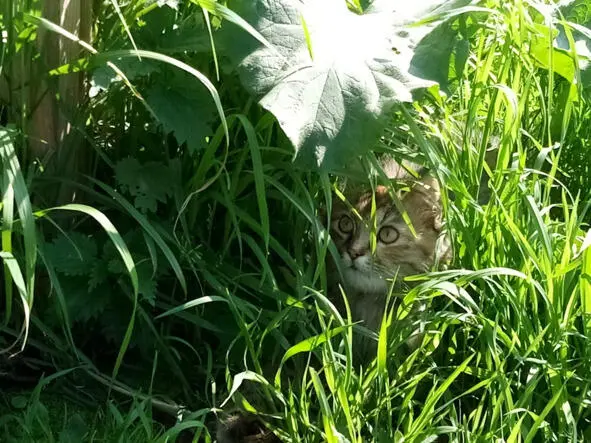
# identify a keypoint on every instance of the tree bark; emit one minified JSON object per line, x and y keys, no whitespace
{"x":51,"y":105}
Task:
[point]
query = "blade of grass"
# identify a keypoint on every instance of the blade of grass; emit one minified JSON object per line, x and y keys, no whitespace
{"x":324,"y":407}
{"x":123,"y":250}
{"x":585,"y":284}
{"x":223,"y":11}
{"x":15,"y":186}
{"x":124,"y":23}
{"x":191,"y":304}
{"x":259,"y":180}
{"x":145,"y":224}
{"x":14,"y":269}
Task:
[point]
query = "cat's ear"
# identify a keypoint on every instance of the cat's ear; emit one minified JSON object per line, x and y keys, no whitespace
{"x":423,"y":202}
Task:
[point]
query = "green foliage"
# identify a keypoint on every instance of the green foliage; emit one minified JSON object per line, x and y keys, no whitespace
{"x":169,"y":249}
{"x":182,"y":112}
{"x":45,"y":416}
{"x":73,"y":255}
{"x":331,"y":76}
{"x":149,"y":184}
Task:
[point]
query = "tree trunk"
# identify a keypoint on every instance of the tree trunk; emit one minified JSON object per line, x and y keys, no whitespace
{"x":48,"y":108}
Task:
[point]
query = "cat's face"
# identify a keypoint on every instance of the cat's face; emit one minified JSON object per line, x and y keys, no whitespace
{"x":398,"y":253}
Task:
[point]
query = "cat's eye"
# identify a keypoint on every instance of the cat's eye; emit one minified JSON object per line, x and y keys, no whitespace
{"x":346,"y":225}
{"x":388,"y":235}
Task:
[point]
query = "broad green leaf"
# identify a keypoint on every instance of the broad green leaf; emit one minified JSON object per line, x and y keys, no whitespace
{"x":541,"y":42}
{"x":149,"y":229}
{"x":110,"y":230}
{"x":184,"y":110}
{"x":331,"y":106}
{"x":570,"y":42}
{"x":150,"y":183}
{"x":108,"y":57}
{"x":73,"y":253}
{"x":434,"y":56}
{"x":582,"y":46}
{"x":103,"y":76}
{"x":216,"y":8}
{"x":125,"y":256}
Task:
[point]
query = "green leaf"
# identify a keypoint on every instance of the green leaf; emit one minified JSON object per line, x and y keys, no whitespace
{"x":116,"y":56}
{"x":19,"y":401}
{"x":85,"y":303}
{"x":541,"y":43}
{"x":582,"y":42}
{"x":218,"y":9}
{"x":12,"y":268}
{"x":109,"y":57}
{"x":327,"y":419}
{"x":149,"y":229}
{"x":433,"y":57}
{"x":578,"y":11}
{"x":73,"y":253}
{"x":259,"y":179}
{"x":239,"y":379}
{"x":117,"y":240}
{"x":149,"y":183}
{"x":110,"y":231}
{"x":186,"y":112}
{"x":333,"y":106}
{"x":308,"y":345}
{"x":103,"y":76}
{"x":564,"y":56}
{"x":148,"y":285}
{"x":331,"y":82}
{"x":428,"y":410}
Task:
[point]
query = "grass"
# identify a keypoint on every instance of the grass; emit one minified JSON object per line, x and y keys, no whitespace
{"x":228,"y":305}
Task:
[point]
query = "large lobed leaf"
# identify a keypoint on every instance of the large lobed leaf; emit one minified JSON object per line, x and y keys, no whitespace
{"x":552,"y":48}
{"x":331,"y":76}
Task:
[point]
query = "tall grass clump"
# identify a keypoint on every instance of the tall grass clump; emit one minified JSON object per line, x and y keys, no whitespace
{"x":166,"y":182}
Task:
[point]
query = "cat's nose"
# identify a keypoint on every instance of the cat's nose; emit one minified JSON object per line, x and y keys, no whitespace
{"x":355,"y":253}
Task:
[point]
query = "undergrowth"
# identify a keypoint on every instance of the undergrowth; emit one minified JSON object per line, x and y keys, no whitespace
{"x":164,"y":253}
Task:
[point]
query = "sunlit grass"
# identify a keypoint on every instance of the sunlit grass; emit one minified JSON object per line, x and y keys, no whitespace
{"x":503,"y":355}
{"x":240,"y":315}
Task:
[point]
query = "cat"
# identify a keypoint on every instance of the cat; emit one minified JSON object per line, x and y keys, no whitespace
{"x":365,"y":275}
